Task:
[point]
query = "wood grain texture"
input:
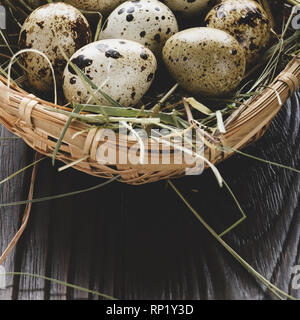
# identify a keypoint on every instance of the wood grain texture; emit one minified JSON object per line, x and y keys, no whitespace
{"x":14,"y":155}
{"x":143,"y":243}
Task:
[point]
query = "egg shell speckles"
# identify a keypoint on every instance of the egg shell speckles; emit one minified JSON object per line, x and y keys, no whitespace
{"x":148,"y":22}
{"x":187,"y":7}
{"x":246,"y":21}
{"x":45,"y":29}
{"x":123,"y":69}
{"x":205,"y":61}
{"x":104,"y":6}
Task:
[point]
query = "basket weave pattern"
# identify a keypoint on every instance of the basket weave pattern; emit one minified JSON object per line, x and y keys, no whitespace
{"x":26,"y":116}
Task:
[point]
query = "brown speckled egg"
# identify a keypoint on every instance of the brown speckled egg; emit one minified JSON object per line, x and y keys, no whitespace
{"x":205,"y":61}
{"x":148,"y":22}
{"x":246,"y":21}
{"x":45,"y":29}
{"x":188,"y":7}
{"x":104,"y":6}
{"x":123,"y":69}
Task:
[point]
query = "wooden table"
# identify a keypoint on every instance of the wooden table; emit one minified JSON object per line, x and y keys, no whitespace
{"x":142,"y":242}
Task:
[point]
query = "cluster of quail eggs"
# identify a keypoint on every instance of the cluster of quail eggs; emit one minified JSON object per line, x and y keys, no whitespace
{"x":138,"y":37}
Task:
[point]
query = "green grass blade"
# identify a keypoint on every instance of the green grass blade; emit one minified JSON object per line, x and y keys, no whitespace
{"x":228,"y":149}
{"x":20,"y":171}
{"x":245,"y":264}
{"x":167,"y":118}
{"x":64,"y":130}
{"x":59,"y":196}
{"x":63,"y":283}
{"x":240,"y":209}
{"x":90,"y":83}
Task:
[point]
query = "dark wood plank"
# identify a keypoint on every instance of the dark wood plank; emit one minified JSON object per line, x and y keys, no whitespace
{"x":59,"y":245}
{"x":32,"y":253}
{"x":143,"y":243}
{"x":13,"y":156}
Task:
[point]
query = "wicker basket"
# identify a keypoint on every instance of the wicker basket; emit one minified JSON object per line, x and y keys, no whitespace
{"x":26,"y":116}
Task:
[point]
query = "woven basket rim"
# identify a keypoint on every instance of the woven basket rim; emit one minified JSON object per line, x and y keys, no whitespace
{"x":25,"y":115}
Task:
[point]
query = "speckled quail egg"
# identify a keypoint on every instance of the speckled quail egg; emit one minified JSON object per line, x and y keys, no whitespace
{"x":148,"y":22}
{"x":187,"y":7}
{"x":45,"y":29}
{"x":205,"y":61}
{"x":123,"y":69}
{"x":104,"y":6}
{"x":246,"y":21}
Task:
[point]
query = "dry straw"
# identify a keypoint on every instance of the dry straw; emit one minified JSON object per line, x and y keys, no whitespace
{"x":60,"y":133}
{"x":33,"y":120}
{"x":57,"y":132}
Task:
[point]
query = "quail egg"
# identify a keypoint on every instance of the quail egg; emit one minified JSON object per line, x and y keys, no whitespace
{"x":187,"y":7}
{"x":45,"y":29}
{"x":246,"y":21}
{"x":205,"y":61}
{"x":148,"y":22}
{"x":123,"y":69}
{"x":104,"y":6}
